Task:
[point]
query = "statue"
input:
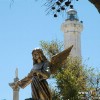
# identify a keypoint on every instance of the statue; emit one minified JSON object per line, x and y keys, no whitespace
{"x":42,"y":69}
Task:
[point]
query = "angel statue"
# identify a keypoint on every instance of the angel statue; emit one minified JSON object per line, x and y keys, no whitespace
{"x":41,"y":71}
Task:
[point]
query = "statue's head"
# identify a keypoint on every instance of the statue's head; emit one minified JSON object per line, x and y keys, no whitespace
{"x":37,"y":53}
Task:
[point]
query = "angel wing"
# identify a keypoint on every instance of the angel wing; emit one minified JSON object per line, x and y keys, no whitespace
{"x":59,"y":58}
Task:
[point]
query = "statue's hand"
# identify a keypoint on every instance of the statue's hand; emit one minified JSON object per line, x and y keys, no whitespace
{"x":40,"y":74}
{"x":17,"y":84}
{"x":14,"y":85}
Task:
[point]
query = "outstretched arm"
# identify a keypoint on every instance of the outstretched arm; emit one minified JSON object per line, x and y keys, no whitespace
{"x":25,"y":81}
{"x":44,"y":73}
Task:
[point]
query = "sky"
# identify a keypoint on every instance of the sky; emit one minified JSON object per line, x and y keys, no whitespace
{"x":25,"y":24}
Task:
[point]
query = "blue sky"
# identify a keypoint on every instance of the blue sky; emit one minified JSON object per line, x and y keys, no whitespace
{"x":22,"y":27}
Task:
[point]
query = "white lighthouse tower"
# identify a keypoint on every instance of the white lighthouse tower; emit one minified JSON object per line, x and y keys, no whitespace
{"x":12,"y":85}
{"x":72,"y":32}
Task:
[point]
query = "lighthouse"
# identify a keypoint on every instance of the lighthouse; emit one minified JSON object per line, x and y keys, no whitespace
{"x":72,"y":29}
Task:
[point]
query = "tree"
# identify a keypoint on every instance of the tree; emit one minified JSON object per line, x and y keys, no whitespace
{"x":60,"y":6}
{"x":70,"y":77}
{"x":51,"y":48}
{"x":93,"y":81}
{"x":56,"y":7}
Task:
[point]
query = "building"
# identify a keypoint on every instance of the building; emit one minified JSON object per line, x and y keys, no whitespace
{"x":72,"y":29}
{"x":15,"y":91}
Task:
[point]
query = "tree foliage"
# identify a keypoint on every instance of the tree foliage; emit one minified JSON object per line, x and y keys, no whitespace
{"x":70,"y":77}
{"x":73,"y":76}
{"x":93,"y":81}
{"x":51,"y":48}
{"x":57,"y":7}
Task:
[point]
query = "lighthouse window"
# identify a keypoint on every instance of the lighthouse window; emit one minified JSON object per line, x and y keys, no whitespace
{"x":72,"y":16}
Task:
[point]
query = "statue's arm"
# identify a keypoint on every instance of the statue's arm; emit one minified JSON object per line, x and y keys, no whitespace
{"x":28,"y":79}
{"x":25,"y":81}
{"x":44,"y":73}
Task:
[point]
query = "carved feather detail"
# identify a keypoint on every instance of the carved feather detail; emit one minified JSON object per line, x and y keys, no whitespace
{"x":59,"y":58}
